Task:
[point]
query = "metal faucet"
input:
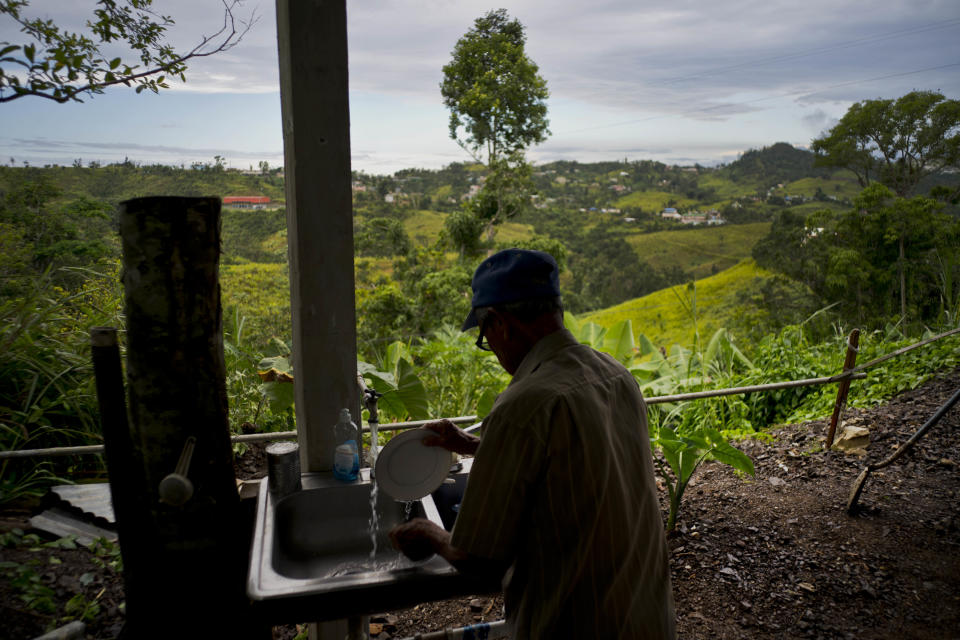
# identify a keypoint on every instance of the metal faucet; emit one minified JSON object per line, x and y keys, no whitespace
{"x":370,"y":397}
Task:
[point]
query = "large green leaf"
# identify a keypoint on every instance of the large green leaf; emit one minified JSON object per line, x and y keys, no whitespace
{"x":618,"y":341}
{"x":726,"y":453}
{"x":591,"y":334}
{"x":411,"y":391}
{"x":279,"y":395}
{"x":647,"y":347}
{"x":714,"y":347}
{"x":280,"y":363}
{"x":485,"y":403}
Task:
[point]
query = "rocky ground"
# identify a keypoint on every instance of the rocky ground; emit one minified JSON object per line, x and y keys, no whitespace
{"x":773,"y":556}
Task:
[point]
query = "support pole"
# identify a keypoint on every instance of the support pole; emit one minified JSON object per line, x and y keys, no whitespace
{"x":131,"y":516}
{"x":312,"y":41}
{"x":853,"y":343}
{"x":191,"y":558}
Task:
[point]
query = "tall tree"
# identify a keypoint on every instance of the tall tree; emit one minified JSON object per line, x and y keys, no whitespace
{"x":497,"y":102}
{"x":895,"y":142}
{"x":494,"y":91}
{"x":883,"y":253}
{"x":61,"y":65}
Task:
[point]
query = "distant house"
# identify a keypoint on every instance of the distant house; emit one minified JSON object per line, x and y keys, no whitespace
{"x":694,"y":218}
{"x":246,"y":202}
{"x":670,"y":213}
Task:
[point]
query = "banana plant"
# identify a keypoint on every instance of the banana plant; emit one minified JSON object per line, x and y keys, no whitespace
{"x":404,"y":395}
{"x":685,"y":453}
{"x":403,"y":392}
{"x":616,"y":341}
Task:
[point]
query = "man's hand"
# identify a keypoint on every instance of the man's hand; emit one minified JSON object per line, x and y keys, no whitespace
{"x":419,"y":538}
{"x":451,"y":437}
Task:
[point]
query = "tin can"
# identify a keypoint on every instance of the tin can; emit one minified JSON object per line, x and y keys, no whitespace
{"x":283,"y":468}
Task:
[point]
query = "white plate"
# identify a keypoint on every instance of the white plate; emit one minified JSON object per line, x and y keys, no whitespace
{"x":408,"y":470}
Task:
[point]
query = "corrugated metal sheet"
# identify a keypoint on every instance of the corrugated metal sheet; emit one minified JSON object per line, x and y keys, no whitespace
{"x":92,"y":500}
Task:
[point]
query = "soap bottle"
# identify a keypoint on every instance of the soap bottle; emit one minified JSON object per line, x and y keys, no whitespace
{"x":346,"y":458}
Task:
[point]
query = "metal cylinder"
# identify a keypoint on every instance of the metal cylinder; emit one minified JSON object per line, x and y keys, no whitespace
{"x":283,"y":468}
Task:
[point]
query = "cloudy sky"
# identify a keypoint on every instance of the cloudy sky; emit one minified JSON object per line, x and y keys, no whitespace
{"x":680,"y":82}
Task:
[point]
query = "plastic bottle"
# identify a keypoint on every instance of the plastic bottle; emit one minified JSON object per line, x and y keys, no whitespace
{"x":346,"y":457}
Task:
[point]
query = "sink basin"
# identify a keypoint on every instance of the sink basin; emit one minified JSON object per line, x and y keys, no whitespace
{"x":311,"y":554}
{"x":325,"y":532}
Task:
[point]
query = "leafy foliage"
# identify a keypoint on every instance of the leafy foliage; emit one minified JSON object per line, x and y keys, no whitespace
{"x":685,"y":433}
{"x":47,"y":395}
{"x":684,"y":454}
{"x":62,"y":66}
{"x":493,"y":90}
{"x":886,"y":257}
{"x":32,"y":588}
{"x":896,"y":142}
{"x":251,"y":235}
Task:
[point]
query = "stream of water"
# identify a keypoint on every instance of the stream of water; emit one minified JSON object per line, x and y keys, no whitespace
{"x":374,"y":519}
{"x":387,"y":561}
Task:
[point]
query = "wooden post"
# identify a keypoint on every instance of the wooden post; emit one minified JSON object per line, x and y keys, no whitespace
{"x":312,"y":42}
{"x":849,"y":362}
{"x":122,"y":462}
{"x":188,"y":579}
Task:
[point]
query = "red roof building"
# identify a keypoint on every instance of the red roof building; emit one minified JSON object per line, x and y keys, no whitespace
{"x":246,"y":202}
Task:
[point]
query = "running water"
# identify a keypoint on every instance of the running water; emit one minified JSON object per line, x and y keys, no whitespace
{"x":374,"y":518}
{"x":386,"y":561}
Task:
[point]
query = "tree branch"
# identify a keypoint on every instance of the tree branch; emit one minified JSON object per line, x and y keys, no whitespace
{"x":228,"y":33}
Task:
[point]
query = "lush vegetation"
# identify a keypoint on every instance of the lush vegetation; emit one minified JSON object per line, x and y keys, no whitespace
{"x":685,"y":308}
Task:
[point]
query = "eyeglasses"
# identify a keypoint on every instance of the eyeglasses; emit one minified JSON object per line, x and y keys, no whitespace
{"x":482,"y":344}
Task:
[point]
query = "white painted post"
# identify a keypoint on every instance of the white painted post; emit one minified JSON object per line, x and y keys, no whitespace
{"x":312,"y":40}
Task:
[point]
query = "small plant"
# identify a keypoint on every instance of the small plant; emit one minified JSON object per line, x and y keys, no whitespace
{"x":106,"y":554}
{"x":79,"y":607}
{"x":28,"y":583}
{"x":684,"y":454}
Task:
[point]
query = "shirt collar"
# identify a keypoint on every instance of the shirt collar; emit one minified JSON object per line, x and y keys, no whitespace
{"x":543,"y":349}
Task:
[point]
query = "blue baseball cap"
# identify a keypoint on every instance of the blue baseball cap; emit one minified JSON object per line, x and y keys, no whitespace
{"x":512,"y":275}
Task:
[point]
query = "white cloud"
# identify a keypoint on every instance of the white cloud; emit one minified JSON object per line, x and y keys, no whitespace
{"x":634,"y":76}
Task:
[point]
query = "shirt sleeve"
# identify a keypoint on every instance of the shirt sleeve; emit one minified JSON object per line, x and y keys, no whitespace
{"x":502,"y":481}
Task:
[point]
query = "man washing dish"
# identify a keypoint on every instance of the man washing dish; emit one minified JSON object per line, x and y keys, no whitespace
{"x":561,"y":500}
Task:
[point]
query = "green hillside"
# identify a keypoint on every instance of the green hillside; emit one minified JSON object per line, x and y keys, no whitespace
{"x":654,"y":200}
{"x":117,"y":182}
{"x":424,"y":227}
{"x":666,"y":316}
{"x":701,"y":251}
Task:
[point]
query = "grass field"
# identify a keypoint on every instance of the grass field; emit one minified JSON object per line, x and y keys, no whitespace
{"x":702,"y":251}
{"x":424,"y":228}
{"x":653,"y":200}
{"x":666,"y":316}
{"x":839,"y":187}
{"x":726,"y":189}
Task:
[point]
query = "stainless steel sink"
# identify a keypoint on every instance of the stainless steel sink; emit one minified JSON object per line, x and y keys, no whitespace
{"x":311,"y":554}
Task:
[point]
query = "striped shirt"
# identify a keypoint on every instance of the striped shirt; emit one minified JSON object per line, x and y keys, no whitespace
{"x":562,"y":488}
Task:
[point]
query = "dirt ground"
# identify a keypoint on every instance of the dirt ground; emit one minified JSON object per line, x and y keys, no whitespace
{"x":775,"y":556}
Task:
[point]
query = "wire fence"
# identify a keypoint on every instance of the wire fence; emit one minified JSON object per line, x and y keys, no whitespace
{"x":855,"y":373}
